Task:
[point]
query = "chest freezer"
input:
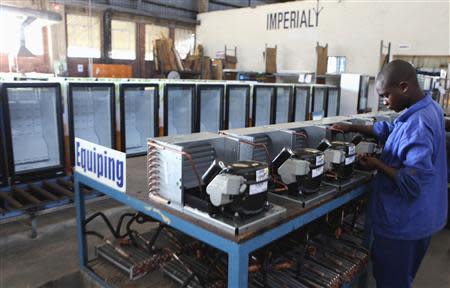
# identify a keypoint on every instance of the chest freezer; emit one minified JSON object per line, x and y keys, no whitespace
{"x":302,"y":102}
{"x":179,"y":109}
{"x":319,"y":98}
{"x":333,"y":101}
{"x":237,"y":106}
{"x":92,"y":113}
{"x":33,"y":130}
{"x":139,"y":116}
{"x":283,"y":104}
{"x":210,"y":102}
{"x":263,"y":104}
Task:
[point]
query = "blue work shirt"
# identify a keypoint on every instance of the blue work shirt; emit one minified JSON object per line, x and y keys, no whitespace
{"x":414,"y":204}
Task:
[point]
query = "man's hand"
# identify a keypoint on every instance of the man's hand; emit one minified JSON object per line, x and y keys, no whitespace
{"x":369,"y":162}
{"x":344,"y":128}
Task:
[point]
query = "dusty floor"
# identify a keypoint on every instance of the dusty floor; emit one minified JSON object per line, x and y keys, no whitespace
{"x":26,"y":262}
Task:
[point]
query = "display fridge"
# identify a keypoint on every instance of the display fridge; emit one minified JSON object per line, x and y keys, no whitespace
{"x":354,"y":94}
{"x":319,"y":98}
{"x":33,"y":130}
{"x":210,"y":107}
{"x":237,"y":106}
{"x":333,"y":101}
{"x":302,"y":102}
{"x":139,"y":116}
{"x":283,"y":104}
{"x":263,"y":104}
{"x":179,"y":108}
{"x":91,"y":108}
{"x":3,"y":167}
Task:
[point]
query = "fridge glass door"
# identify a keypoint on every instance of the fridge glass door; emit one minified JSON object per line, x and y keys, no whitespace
{"x":139,"y":117}
{"x":34,"y":127}
{"x":263,"y":108}
{"x":179,"y":114}
{"x":92,"y":114}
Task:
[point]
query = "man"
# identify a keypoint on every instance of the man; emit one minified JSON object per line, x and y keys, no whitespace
{"x":409,"y":199}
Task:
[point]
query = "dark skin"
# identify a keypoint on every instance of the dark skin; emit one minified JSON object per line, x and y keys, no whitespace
{"x":397,"y":95}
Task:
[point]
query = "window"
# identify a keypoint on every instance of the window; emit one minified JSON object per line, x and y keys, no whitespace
{"x":10,"y":29}
{"x":152,"y":33}
{"x":83,"y":34}
{"x":184,"y":41}
{"x":123,"y":40}
{"x":336,"y":64}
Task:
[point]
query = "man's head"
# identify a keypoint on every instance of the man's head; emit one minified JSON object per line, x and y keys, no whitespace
{"x":397,"y":84}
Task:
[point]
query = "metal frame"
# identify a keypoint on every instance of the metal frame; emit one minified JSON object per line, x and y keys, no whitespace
{"x":290,"y":116}
{"x":71,"y":114}
{"x":238,"y":253}
{"x":38,"y":173}
{"x":227,"y":104}
{"x":272,"y":103}
{"x":338,"y":100}
{"x":199,"y":88}
{"x":122,"y":88}
{"x":166,"y":105}
{"x":363,"y":80}
{"x":3,"y":167}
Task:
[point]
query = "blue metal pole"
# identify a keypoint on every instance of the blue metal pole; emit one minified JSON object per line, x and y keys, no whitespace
{"x":237,"y":267}
{"x":80,"y":206}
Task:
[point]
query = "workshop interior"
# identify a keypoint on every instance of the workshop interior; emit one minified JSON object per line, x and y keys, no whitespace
{"x":205,"y":143}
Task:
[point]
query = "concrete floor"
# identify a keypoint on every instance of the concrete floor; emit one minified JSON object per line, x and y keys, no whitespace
{"x":53,"y":255}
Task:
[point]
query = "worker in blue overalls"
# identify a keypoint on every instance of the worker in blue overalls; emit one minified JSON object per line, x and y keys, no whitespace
{"x":409,"y":198}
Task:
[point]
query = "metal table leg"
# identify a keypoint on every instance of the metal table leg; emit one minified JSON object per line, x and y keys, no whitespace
{"x":237,"y":267}
{"x":81,"y":215}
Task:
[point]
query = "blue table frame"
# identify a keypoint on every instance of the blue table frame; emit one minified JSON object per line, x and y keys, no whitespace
{"x":238,"y":253}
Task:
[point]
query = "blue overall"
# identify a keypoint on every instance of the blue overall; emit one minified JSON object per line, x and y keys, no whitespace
{"x":407,"y":210}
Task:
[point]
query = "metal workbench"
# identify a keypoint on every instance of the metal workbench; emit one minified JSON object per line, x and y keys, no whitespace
{"x":237,"y":247}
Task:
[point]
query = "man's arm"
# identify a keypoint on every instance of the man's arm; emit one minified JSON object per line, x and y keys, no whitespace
{"x":379,"y":130}
{"x":363,"y":129}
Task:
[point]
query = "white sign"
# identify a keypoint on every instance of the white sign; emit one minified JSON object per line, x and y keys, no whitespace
{"x":101,"y":164}
{"x":80,"y":68}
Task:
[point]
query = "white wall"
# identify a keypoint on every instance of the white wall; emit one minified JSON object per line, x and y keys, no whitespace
{"x":351,"y":28}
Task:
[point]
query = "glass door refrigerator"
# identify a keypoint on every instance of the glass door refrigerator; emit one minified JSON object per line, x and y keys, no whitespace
{"x":283,"y":104}
{"x":263,"y":104}
{"x":333,"y":101}
{"x":237,"y":106}
{"x":210,"y":107}
{"x":33,"y":129}
{"x":319,"y":98}
{"x":91,"y":108}
{"x":302,"y":102}
{"x":354,"y":94}
{"x":139,"y":116}
{"x":179,"y":108}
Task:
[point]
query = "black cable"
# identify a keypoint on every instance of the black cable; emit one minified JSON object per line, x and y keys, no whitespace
{"x":95,"y":233}
{"x":105,"y":219}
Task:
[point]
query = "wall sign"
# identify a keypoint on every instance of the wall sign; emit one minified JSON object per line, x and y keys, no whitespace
{"x":293,"y":19}
{"x":101,"y":164}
